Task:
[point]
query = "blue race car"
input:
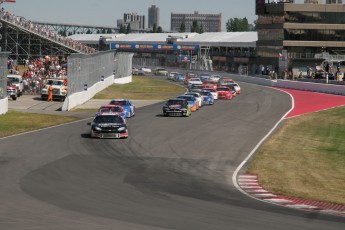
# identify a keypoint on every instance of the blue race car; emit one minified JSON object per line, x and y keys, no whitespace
{"x":126,"y":104}
{"x":208,"y":97}
{"x":192,"y":101}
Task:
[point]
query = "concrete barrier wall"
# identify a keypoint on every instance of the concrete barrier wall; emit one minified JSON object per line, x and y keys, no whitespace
{"x":82,"y":97}
{"x":3,"y":106}
{"x":253,"y":80}
{"x":314,"y":87}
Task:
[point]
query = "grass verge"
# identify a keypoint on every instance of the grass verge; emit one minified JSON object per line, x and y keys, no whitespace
{"x":18,"y":122}
{"x":306,"y":158}
{"x":142,"y":88}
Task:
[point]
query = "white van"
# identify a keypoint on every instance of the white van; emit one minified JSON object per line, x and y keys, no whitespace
{"x":17,"y":80}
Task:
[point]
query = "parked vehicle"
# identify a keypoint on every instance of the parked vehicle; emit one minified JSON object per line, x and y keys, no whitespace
{"x":177,"y":107}
{"x":108,"y":126}
{"x":17,"y":80}
{"x":12,"y":91}
{"x":59,"y":89}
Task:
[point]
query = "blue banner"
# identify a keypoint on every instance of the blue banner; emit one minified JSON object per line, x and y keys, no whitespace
{"x":132,"y":46}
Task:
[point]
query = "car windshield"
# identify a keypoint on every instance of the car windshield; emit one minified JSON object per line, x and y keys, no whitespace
{"x":52,"y":82}
{"x":187,"y":97}
{"x":122,"y":103}
{"x":175,"y":102}
{"x":205,"y":93}
{"x":14,"y":80}
{"x":9,"y":83}
{"x":197,"y":86}
{"x":108,"y":119}
{"x":111,"y":109}
{"x":223,"y":89}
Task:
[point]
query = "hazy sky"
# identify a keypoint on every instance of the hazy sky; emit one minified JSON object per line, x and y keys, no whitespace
{"x":106,"y":12}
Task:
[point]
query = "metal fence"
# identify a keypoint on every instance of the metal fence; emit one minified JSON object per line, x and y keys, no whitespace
{"x":86,"y":70}
{"x":3,"y":74}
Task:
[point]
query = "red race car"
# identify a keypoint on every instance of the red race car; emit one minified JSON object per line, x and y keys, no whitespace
{"x":224,"y":92}
{"x":210,"y":85}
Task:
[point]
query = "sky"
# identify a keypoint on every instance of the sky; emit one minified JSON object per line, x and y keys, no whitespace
{"x":106,"y":12}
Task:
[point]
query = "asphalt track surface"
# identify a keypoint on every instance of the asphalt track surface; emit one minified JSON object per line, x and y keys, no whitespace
{"x":171,"y":173}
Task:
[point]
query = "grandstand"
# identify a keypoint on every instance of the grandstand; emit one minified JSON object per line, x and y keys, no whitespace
{"x":25,"y":39}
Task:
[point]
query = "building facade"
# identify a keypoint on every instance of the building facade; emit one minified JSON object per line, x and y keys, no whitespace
{"x":134,"y":20}
{"x":208,"y":22}
{"x":300,"y":34}
{"x":153,"y":16}
{"x":334,"y":1}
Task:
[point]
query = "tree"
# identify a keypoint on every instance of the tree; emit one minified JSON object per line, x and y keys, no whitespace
{"x":88,"y":31}
{"x":128,"y":30}
{"x":122,"y":29}
{"x":159,"y":29}
{"x":109,"y":31}
{"x":195,"y":27}
{"x":237,"y":25}
{"x":154,"y":29}
{"x":182,"y":28}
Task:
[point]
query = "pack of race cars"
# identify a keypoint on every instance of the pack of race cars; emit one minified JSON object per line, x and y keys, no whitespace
{"x":110,"y":120}
{"x":202,"y":90}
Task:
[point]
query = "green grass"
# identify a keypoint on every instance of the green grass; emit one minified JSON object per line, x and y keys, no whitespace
{"x":142,"y":88}
{"x":17,"y":122}
{"x":306,"y":158}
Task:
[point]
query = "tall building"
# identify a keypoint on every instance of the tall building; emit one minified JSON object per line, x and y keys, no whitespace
{"x":153,"y":16}
{"x":209,"y":22}
{"x":135,"y":20}
{"x":313,"y":1}
{"x":334,"y":1}
{"x":306,"y":35}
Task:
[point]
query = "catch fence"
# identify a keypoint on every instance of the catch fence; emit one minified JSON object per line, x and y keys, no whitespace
{"x":3,"y":74}
{"x":86,"y":70}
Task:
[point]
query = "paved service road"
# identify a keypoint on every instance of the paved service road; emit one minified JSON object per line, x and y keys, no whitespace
{"x":171,"y":173}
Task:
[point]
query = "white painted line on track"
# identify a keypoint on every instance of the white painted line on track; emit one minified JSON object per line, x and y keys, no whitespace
{"x":263,"y":195}
{"x":301,"y":206}
{"x":235,"y":174}
{"x":50,"y":127}
{"x":257,"y":191}
{"x":246,"y":187}
{"x":276,"y":200}
{"x":246,"y":183}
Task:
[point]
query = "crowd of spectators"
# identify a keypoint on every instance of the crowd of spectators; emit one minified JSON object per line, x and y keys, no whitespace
{"x":37,"y":71}
{"x":41,"y":30}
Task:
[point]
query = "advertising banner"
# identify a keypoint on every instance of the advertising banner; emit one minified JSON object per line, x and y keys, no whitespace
{"x":185,"y":58}
{"x":131,"y":46}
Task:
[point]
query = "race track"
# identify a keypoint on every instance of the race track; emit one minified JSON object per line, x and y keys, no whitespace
{"x":172,"y":173}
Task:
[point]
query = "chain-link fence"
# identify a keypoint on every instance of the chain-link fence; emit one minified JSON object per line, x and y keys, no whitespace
{"x":86,"y":70}
{"x":3,"y":74}
{"x":124,"y":64}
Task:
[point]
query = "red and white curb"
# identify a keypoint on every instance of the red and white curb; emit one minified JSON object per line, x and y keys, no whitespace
{"x":250,"y":184}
